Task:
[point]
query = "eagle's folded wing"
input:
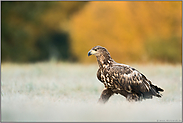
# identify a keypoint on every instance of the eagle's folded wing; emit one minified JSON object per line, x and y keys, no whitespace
{"x":129,"y":79}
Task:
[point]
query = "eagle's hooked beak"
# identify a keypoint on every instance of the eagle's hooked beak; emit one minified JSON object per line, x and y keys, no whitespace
{"x":92,"y":52}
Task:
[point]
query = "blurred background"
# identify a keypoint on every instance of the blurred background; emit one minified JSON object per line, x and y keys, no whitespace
{"x":46,"y":74}
{"x":66,"y":31}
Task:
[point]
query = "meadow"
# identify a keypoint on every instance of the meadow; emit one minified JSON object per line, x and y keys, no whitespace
{"x":58,"y":92}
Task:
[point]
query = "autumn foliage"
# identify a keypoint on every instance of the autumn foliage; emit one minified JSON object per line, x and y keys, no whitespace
{"x":131,"y":31}
{"x":65,"y":31}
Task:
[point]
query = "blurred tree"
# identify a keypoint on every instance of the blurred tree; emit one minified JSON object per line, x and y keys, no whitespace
{"x":19,"y":31}
{"x":33,"y":31}
{"x":132,"y":31}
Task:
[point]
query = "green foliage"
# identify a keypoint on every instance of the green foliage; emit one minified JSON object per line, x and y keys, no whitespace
{"x":30,"y":34}
{"x":164,"y":50}
{"x":55,"y":46}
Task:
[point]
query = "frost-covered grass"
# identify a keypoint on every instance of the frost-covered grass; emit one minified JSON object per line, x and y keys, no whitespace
{"x":69,"y":92}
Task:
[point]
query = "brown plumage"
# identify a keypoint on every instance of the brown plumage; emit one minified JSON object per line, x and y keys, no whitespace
{"x":122,"y":79}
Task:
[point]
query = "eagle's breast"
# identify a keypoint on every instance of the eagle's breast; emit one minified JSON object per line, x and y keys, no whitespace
{"x":105,"y":77}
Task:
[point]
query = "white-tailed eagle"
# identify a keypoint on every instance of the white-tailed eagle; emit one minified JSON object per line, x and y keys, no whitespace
{"x":122,"y":79}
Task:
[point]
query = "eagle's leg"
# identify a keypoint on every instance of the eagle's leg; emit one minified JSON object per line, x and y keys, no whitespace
{"x":129,"y":96}
{"x":106,"y":94}
{"x":124,"y":93}
{"x":133,"y":97}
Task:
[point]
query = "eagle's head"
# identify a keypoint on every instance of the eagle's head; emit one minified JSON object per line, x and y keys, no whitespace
{"x":103,"y":56}
{"x":98,"y":51}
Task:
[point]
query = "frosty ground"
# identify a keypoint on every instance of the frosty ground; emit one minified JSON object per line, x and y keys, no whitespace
{"x":56,"y":92}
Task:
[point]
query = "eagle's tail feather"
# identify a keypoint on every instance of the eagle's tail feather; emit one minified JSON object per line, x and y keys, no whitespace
{"x":155,"y":92}
{"x":157,"y":88}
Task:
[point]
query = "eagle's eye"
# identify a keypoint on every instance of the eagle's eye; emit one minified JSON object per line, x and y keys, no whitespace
{"x":95,"y":49}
